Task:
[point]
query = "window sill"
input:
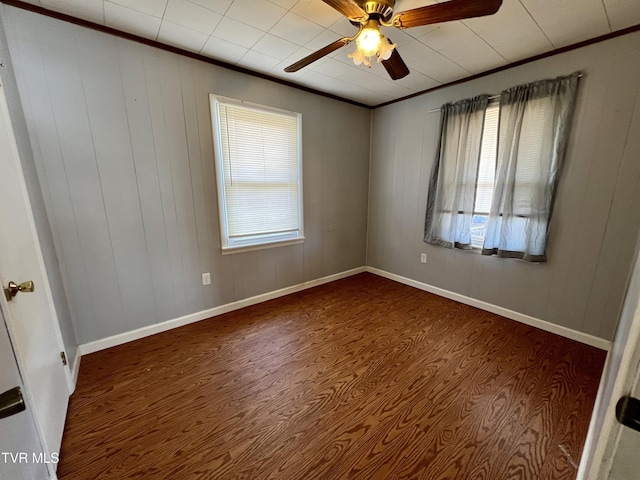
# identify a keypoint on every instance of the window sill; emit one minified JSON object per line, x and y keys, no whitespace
{"x":261,"y":246}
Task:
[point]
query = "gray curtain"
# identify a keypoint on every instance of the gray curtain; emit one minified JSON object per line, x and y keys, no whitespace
{"x":455,"y":170}
{"x":535,"y":121}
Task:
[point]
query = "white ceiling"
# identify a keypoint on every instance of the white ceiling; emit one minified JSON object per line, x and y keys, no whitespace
{"x":268,"y":35}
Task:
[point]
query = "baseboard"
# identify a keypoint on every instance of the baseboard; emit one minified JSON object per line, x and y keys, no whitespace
{"x":126,"y":337}
{"x":505,"y":312}
{"x":52,"y":474}
{"x":75,"y":369}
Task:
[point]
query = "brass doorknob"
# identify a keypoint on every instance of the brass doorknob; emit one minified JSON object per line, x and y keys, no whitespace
{"x":12,"y":289}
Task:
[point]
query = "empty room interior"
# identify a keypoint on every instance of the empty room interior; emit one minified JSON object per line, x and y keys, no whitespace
{"x":319,"y":239}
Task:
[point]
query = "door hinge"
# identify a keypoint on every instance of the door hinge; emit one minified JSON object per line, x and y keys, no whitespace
{"x":64,"y":358}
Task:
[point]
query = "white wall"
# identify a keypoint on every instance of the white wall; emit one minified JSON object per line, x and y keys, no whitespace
{"x":597,"y":213}
{"x":122,"y":139}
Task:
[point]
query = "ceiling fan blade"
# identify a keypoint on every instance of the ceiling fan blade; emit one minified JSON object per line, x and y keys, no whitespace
{"x":317,"y":55}
{"x":395,"y":66}
{"x":348,"y":8}
{"x":446,"y":12}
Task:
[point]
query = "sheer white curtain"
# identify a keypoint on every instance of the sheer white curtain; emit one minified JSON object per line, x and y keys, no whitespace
{"x":455,"y":171}
{"x":534,"y":125}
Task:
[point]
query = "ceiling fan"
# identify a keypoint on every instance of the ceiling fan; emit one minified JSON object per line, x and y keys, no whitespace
{"x":369,"y":16}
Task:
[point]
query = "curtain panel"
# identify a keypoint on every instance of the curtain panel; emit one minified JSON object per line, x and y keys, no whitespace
{"x":535,"y":121}
{"x":455,"y":170}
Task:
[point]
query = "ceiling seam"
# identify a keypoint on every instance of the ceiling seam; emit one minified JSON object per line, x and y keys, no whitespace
{"x":606,"y":13}
{"x":481,"y":38}
{"x":537,"y":24}
{"x":443,"y":56}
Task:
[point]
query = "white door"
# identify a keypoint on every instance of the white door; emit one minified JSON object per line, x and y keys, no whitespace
{"x":30,"y":317}
{"x":21,"y":454}
{"x":612,"y":451}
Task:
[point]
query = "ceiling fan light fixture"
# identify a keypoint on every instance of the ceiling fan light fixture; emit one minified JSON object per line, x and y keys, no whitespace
{"x":369,"y":41}
{"x":370,"y":15}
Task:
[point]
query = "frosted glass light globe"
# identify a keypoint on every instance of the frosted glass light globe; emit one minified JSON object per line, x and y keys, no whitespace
{"x":368,"y":42}
{"x":386,"y":49}
{"x":358,"y":58}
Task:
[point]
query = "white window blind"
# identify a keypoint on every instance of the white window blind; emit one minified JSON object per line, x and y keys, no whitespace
{"x":486,"y":175}
{"x":487,"y":166}
{"x":259,"y":173}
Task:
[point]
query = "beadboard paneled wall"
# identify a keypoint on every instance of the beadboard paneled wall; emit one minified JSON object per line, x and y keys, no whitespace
{"x":597,"y":214}
{"x":122,"y":137}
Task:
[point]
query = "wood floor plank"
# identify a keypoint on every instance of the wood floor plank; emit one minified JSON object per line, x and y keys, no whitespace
{"x":488,"y":408}
{"x":564,"y":457}
{"x":469,"y":418}
{"x":524,"y":406}
{"x":360,"y":378}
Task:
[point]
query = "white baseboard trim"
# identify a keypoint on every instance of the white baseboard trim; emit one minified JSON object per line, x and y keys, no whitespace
{"x":52,"y":474}
{"x":126,"y":337}
{"x":505,"y":312}
{"x":75,"y":370}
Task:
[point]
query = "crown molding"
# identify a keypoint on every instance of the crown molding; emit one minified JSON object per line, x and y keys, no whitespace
{"x":246,"y":71}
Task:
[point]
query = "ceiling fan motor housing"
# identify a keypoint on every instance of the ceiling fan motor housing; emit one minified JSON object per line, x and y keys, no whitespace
{"x":381,"y":8}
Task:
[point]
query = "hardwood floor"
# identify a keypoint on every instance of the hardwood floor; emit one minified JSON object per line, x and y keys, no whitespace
{"x":360,"y":378}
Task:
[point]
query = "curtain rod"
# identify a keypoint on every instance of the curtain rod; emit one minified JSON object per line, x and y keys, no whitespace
{"x":434,"y":110}
{"x":492,"y":97}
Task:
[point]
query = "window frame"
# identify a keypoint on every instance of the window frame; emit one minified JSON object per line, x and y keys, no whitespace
{"x":229,"y":244}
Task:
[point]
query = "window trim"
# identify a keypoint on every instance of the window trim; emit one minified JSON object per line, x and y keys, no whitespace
{"x":251,"y":242}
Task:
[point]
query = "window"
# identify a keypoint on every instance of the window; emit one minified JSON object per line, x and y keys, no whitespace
{"x":496,"y":171}
{"x":258,"y":155}
{"x":486,"y":175}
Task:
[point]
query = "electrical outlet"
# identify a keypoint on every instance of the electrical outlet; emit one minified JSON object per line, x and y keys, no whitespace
{"x":423,"y":258}
{"x":206,"y":279}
